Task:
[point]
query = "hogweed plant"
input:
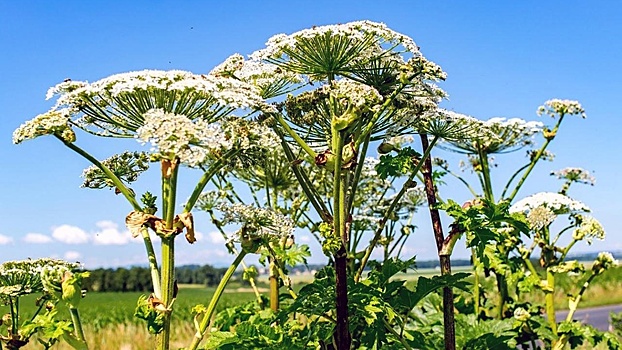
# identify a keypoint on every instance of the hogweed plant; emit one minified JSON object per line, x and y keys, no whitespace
{"x":58,"y":285}
{"x":505,"y":237}
{"x":188,"y":120}
{"x":316,"y":132}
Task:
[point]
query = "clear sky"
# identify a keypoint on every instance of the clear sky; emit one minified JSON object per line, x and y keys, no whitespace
{"x":503,"y":58}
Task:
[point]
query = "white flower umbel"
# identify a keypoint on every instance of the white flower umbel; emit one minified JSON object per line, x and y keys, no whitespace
{"x":357,"y":32}
{"x":268,"y":78}
{"x":50,"y":123}
{"x":353,"y":94}
{"x":448,"y":125}
{"x":559,"y":107}
{"x":127,"y":166}
{"x":589,"y":228}
{"x":604,"y":261}
{"x":557,"y":203}
{"x":499,"y":135}
{"x":24,"y":276}
{"x":174,"y":135}
{"x":256,"y":222}
{"x":540,"y":217}
{"x":115,"y":106}
{"x":575,"y":175}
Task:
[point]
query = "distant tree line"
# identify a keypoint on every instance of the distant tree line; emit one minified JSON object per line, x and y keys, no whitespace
{"x":138,"y":279}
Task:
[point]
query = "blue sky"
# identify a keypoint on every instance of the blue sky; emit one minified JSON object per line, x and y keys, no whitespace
{"x":502,"y":59}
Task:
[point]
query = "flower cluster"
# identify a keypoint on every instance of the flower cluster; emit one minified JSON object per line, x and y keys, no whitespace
{"x":268,"y":78}
{"x":50,"y":123}
{"x":499,"y":135}
{"x":115,"y":106}
{"x":351,"y":93}
{"x":589,"y":228}
{"x":174,"y":135}
{"x":126,"y":166}
{"x":575,"y":175}
{"x":561,"y":107}
{"x":359,"y":31}
{"x":449,"y":125}
{"x":260,"y":223}
{"x":24,"y":277}
{"x":604,"y":261}
{"x":540,"y":217}
{"x":555,"y":202}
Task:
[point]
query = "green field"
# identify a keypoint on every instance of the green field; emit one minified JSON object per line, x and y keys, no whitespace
{"x":110,"y":322}
{"x":99,"y":310}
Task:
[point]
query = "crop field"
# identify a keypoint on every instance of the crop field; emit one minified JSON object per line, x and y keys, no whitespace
{"x":109,"y":319}
{"x":110,"y":322}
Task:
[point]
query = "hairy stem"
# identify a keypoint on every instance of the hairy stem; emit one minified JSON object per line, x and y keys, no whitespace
{"x":448,"y":295}
{"x":170,"y":170}
{"x":343,"y":336}
{"x":483,"y":157}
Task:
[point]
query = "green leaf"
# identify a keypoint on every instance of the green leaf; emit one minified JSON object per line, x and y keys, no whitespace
{"x":426,"y":286}
{"x":401,"y":164}
{"x":218,"y":339}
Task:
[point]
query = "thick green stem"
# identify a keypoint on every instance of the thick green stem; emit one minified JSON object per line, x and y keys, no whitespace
{"x":294,"y":135}
{"x":383,"y":221}
{"x":170,"y":170}
{"x":550,"y":301}
{"x":502,"y":287}
{"x":207,"y":317}
{"x":483,"y":157}
{"x":574,"y":304}
{"x":168,"y":286}
{"x":77,"y":326}
{"x":343,"y":336}
{"x":476,"y":283}
{"x":14,"y":314}
{"x":153,"y":263}
{"x":274,"y":286}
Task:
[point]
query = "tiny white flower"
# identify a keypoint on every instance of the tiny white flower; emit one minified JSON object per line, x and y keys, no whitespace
{"x":561,"y":107}
{"x":575,"y":175}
